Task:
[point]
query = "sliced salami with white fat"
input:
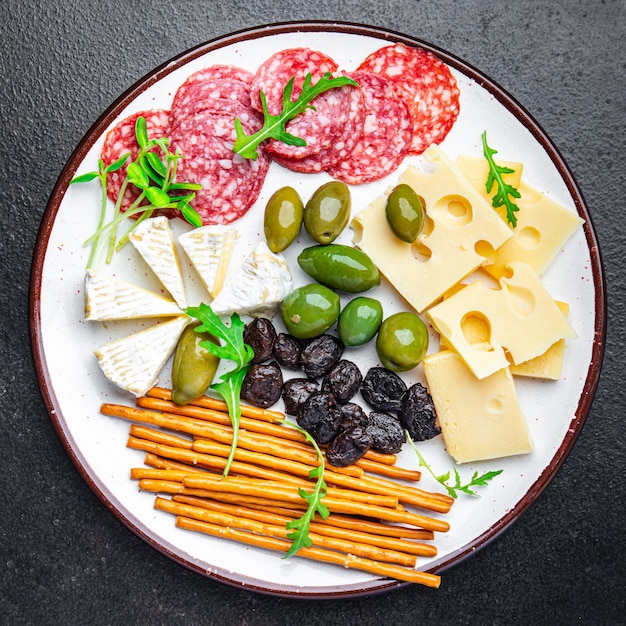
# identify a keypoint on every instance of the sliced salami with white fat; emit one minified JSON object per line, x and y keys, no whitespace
{"x":120,"y":140}
{"x":386,"y":137}
{"x":425,"y":83}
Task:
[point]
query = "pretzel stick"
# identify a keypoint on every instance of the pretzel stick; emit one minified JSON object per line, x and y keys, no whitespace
{"x":327,"y":556}
{"x":158,"y":462}
{"x":391,"y":471}
{"x":277,"y":530}
{"x":321,"y":528}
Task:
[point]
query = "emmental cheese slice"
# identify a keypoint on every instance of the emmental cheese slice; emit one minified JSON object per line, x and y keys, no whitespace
{"x":108,"y":298}
{"x":459,"y":223}
{"x":209,"y":249}
{"x":543,"y":225}
{"x":135,"y":361}
{"x":522,"y":319}
{"x":479,"y":419}
{"x":154,"y":240}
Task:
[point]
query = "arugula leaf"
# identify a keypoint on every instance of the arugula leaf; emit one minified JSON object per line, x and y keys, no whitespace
{"x":232,"y":348}
{"x":300,"y":527}
{"x":475,"y":481}
{"x":154,"y":177}
{"x":274,"y":125}
{"x":504,"y":190}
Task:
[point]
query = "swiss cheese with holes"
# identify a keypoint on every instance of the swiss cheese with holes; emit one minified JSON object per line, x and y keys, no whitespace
{"x":521,"y":316}
{"x":479,"y":419}
{"x":460,"y":222}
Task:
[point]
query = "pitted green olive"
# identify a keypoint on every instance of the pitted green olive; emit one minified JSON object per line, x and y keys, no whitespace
{"x":340,"y":267}
{"x":310,"y":310}
{"x":359,"y":321}
{"x":283,"y":218}
{"x":402,"y":341}
{"x":405,"y":213}
{"x":327,"y":212}
{"x":193,"y":367}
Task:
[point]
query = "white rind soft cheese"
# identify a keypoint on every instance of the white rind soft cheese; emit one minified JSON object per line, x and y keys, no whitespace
{"x":154,"y":241}
{"x":258,"y":286}
{"x":209,"y":249}
{"x":108,"y":298}
{"x":135,"y":361}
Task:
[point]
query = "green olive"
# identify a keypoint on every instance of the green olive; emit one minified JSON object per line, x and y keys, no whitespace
{"x":327,"y":212}
{"x":405,"y":213}
{"x":283,"y":218}
{"x":340,"y":267}
{"x":310,"y":310}
{"x":194,"y":367}
{"x":402,"y":341}
{"x":359,"y":321}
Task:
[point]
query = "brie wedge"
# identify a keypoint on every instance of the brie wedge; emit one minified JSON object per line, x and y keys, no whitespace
{"x":209,"y":249}
{"x":108,"y":298}
{"x":154,"y":240}
{"x":258,"y":287}
{"x":135,"y":361}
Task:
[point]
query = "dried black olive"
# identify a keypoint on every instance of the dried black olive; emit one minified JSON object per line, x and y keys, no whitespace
{"x":287,"y":351}
{"x":386,"y":431}
{"x":319,"y":417}
{"x":352,"y":414}
{"x":418,"y":414}
{"x":263,"y":384}
{"x":320,"y":354}
{"x":296,"y":391}
{"x":260,"y":335}
{"x":348,"y":446}
{"x":343,"y":381}
{"x":383,"y":389}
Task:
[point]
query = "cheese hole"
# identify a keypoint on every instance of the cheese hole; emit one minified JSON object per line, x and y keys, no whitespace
{"x":476,"y":330}
{"x":529,"y":238}
{"x":485,"y":249}
{"x":455,"y":210}
{"x":494,"y":407}
{"x":420,"y":251}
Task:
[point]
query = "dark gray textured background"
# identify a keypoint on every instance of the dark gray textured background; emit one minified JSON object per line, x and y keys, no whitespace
{"x":64,"y":559}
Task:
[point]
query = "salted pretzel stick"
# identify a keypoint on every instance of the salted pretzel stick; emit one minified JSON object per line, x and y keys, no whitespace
{"x":319,"y":527}
{"x":277,"y":530}
{"x":327,"y":556}
{"x":391,"y":471}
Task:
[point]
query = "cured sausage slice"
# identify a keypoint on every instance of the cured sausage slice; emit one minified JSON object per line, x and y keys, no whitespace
{"x":341,"y":145}
{"x":230,"y":184}
{"x":425,"y":83}
{"x":316,"y":126}
{"x":120,"y":140}
{"x":386,"y":137}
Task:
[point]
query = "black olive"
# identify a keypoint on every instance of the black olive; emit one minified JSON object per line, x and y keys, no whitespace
{"x":418,"y":414}
{"x":320,"y":354}
{"x":287,"y":351}
{"x":348,"y":446}
{"x":383,"y":389}
{"x":386,"y":431}
{"x":319,"y":417}
{"x":262,"y":384}
{"x":352,"y":414}
{"x":260,"y":335}
{"x":296,"y":391}
{"x":343,"y":381}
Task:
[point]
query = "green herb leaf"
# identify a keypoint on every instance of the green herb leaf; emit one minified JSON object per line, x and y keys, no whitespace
{"x":300,"y":527}
{"x":137,"y":176}
{"x":504,"y":191}
{"x":442,"y":479}
{"x":233,"y":348}
{"x":116,"y":165}
{"x":141,"y":132}
{"x":157,"y":197}
{"x":274,"y":125}
{"x":85,"y":178}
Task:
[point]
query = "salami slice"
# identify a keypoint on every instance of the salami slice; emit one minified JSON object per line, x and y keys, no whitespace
{"x":230,"y":184}
{"x":386,"y":137}
{"x":120,"y":140}
{"x":341,"y":145}
{"x":426,"y":84}
{"x":276,"y":71}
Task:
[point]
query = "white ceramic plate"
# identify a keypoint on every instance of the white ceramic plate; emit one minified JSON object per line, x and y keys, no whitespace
{"x":73,"y":386}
